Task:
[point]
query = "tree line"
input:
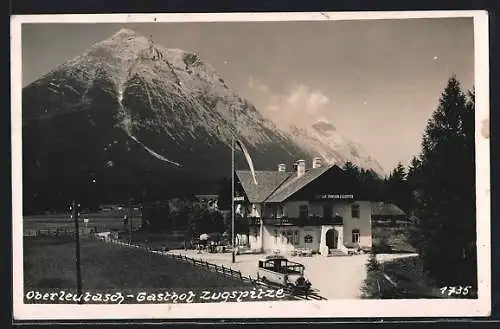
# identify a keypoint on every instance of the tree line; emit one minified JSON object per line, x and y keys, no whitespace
{"x":187,"y":214}
{"x":437,"y":189}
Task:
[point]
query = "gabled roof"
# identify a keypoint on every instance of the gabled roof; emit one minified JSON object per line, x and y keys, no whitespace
{"x":386,"y":209}
{"x":267,"y":182}
{"x":274,"y":186}
{"x":294,"y":184}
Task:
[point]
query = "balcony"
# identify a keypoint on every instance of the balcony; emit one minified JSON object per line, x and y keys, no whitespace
{"x":311,"y":220}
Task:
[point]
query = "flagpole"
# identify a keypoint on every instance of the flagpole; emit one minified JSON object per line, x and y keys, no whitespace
{"x":232,"y":189}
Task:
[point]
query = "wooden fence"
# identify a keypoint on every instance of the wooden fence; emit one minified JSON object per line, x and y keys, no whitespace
{"x":69,"y":230}
{"x":226,"y":271}
{"x":220,"y":269}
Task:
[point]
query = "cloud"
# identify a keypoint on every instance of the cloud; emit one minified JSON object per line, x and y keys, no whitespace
{"x":273,"y":108}
{"x":298,"y":105}
{"x":300,"y":99}
{"x":251,"y":84}
{"x":262,"y":87}
{"x":257,"y":85}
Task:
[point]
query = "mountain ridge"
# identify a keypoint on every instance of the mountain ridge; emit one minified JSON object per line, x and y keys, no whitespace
{"x":147,"y":110}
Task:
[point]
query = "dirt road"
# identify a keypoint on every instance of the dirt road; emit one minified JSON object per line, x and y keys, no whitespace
{"x":334,"y":277}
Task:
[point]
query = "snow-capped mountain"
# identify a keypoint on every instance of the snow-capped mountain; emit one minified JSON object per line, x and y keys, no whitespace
{"x":130,"y":115}
{"x":323,"y":138}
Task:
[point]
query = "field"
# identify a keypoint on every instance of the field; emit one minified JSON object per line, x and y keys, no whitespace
{"x":156,"y":241}
{"x":49,"y":263}
{"x":102,"y":221}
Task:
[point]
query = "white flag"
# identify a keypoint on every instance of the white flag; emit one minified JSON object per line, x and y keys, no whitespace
{"x":248,"y":158}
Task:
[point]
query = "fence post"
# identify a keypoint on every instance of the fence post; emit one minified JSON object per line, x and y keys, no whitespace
{"x":208,"y":266}
{"x":241,"y":276}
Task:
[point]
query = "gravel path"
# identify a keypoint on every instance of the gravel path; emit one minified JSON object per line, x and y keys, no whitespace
{"x":334,"y":277}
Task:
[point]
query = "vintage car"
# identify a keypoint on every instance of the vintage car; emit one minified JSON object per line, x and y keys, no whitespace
{"x":279,"y":270}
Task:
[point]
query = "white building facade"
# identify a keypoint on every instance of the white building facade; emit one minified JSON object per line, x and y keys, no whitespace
{"x":316,"y":210}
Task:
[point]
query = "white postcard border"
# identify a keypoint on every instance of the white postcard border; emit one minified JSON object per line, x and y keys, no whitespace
{"x":278,"y":309}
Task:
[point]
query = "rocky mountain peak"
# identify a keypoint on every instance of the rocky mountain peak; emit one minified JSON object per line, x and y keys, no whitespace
{"x":125,"y":33}
{"x":157,"y":115}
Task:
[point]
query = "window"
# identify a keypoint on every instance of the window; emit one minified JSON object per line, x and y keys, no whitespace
{"x":279,"y":211}
{"x":355,"y":236}
{"x":355,"y":211}
{"x":291,"y":236}
{"x":303,"y":211}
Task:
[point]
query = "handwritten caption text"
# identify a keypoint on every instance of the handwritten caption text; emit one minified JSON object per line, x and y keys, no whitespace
{"x":144,"y":297}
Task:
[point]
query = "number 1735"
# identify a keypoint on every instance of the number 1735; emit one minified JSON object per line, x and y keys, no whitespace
{"x":456,"y":290}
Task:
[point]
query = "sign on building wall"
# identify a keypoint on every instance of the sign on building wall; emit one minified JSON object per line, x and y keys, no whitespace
{"x":334,"y":196}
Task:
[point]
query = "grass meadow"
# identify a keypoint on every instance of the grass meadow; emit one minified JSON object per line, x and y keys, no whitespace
{"x":104,"y":220}
{"x":49,"y":262}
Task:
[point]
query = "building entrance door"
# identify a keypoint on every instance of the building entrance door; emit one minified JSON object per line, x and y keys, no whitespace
{"x":332,"y":237}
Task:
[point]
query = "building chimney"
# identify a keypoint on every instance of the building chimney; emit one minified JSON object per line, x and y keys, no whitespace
{"x":301,"y":168}
{"x":316,"y":162}
{"x":281,"y":167}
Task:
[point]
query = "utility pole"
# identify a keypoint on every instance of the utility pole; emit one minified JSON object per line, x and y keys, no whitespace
{"x":77,"y":244}
{"x":130,"y":221}
{"x":233,"y":237}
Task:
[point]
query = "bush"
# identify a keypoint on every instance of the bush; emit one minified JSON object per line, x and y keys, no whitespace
{"x":373,"y":265}
{"x":382,"y":246}
{"x":371,"y":286}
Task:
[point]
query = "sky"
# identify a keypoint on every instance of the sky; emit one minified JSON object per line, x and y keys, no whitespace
{"x":377,"y":81}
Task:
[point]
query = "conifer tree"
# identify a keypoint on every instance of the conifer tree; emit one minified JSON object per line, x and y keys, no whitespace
{"x":397,"y":188}
{"x":351,"y":169}
{"x":444,"y":184}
